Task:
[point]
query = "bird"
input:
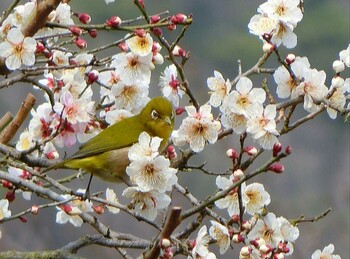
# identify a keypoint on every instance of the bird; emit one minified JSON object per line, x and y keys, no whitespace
{"x":106,"y":154}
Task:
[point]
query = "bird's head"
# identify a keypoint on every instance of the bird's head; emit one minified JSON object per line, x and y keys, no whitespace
{"x":158,"y":117}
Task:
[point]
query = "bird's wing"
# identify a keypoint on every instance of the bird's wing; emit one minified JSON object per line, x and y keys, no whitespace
{"x":121,"y":134}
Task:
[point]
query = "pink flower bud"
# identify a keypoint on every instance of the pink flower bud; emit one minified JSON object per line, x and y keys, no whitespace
{"x":156,"y":47}
{"x":92,"y":76}
{"x":290,"y":58}
{"x":98,"y":209}
{"x":10,"y":196}
{"x":245,"y":251}
{"x":114,"y":21}
{"x":140,"y":32}
{"x":154,"y":19}
{"x":258,"y":242}
{"x":237,"y":175}
{"x":237,"y":238}
{"x":123,"y":46}
{"x":171,"y":27}
{"x":7,"y":184}
{"x":52,"y":155}
{"x":157,"y":31}
{"x":75,"y":30}
{"x":141,"y":2}
{"x":179,"y":110}
{"x":277,"y":147}
{"x":289,"y":150}
{"x":40,"y":48}
{"x":235,"y":218}
{"x":251,"y":150}
{"x":276,"y":168}
{"x":231,"y":153}
{"x":165,"y":243}
{"x":268,"y":47}
{"x":23,"y":219}
{"x":338,"y":66}
{"x":93,"y":33}
{"x":34,"y":209}
{"x":178,"y":18}
{"x":84,"y":18}
{"x":265,"y":248}
{"x":177,"y":51}
{"x":80,"y":43}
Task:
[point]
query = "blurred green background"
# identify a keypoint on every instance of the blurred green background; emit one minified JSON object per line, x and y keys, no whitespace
{"x":317,"y":173}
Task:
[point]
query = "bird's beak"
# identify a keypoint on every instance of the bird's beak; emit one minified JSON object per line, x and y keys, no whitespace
{"x":167,"y":120}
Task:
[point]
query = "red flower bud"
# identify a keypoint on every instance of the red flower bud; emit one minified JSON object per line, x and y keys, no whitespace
{"x":276,"y":168}
{"x":290,"y":59}
{"x":231,"y":153}
{"x":154,"y":19}
{"x":277,"y":147}
{"x":23,"y":219}
{"x":123,"y":46}
{"x":178,"y":18}
{"x":92,"y":76}
{"x":114,"y":21}
{"x":140,"y":32}
{"x":7,"y":184}
{"x":40,"y":48}
{"x":157,"y":31}
{"x":171,"y":27}
{"x":179,"y":110}
{"x":98,"y":209}
{"x":10,"y":196}
{"x":84,"y":18}
{"x":75,"y":30}
{"x":80,"y":43}
{"x":92,"y":33}
{"x":251,"y":150}
{"x":289,"y":150}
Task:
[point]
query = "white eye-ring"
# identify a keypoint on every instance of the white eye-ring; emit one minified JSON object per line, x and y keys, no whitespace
{"x":154,"y":115}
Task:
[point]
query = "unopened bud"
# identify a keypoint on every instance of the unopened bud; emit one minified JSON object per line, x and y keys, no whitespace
{"x":290,"y":58}
{"x":34,"y":209}
{"x":177,"y":51}
{"x":251,"y":150}
{"x":75,"y":30}
{"x":10,"y":196}
{"x":40,"y":48}
{"x":7,"y":184}
{"x":114,"y":21}
{"x":92,"y":33}
{"x":277,"y":147}
{"x":165,"y":243}
{"x":338,"y":66}
{"x":92,"y":76}
{"x":157,"y":59}
{"x":337,"y":81}
{"x":268,"y":47}
{"x":84,"y":18}
{"x":171,"y":27}
{"x":247,"y":225}
{"x":178,"y":18}
{"x":23,"y":219}
{"x":179,"y":110}
{"x":265,"y":248}
{"x":289,"y":150}
{"x":156,"y":47}
{"x":279,"y":256}
{"x":140,"y":32}
{"x":276,"y":168}
{"x":231,"y":153}
{"x":237,"y":175}
{"x":245,"y":251}
{"x":123,"y":46}
{"x":98,"y":209}
{"x":237,"y":238}
{"x":157,"y":31}
{"x":52,"y":155}
{"x":81,"y":43}
{"x":235,"y":218}
{"x":154,"y":19}
{"x":258,"y":242}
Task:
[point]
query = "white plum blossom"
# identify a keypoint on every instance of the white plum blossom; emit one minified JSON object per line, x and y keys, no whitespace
{"x":170,"y":86}
{"x":326,"y":253}
{"x":267,"y":228}
{"x":337,"y":100}
{"x":229,"y":119}
{"x":26,"y":141}
{"x":27,"y":195}
{"x":289,"y":232}
{"x":71,"y":211}
{"x":131,"y":97}
{"x":254,"y":198}
{"x":287,"y":11}
{"x":145,"y":147}
{"x":219,"y":88}
{"x":18,"y":50}
{"x":313,"y":88}
{"x":140,"y":45}
{"x":230,"y":201}
{"x":200,"y":249}
{"x":112,"y":197}
{"x":262,"y":126}
{"x":117,"y":115}
{"x":261,"y":24}
{"x":344,"y":56}
{"x":146,"y":203}
{"x":132,"y":67}
{"x":4,"y":209}
{"x":197,"y":128}
{"x":221,"y":234}
{"x":152,"y":173}
{"x":246,"y":99}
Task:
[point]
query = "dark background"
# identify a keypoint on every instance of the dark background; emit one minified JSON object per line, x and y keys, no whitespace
{"x":317,"y":173}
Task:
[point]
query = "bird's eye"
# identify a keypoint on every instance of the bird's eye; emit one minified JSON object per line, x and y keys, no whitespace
{"x":154,"y":115}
